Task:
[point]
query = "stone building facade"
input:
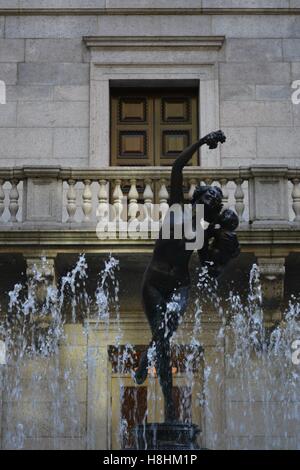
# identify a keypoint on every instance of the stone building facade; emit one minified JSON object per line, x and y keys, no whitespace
{"x":226,"y":64}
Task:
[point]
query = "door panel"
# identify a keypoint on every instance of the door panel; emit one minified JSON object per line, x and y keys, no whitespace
{"x":131,"y":129}
{"x":133,"y":109}
{"x":173,"y":142}
{"x":151,"y":127}
{"x":175,"y":109}
{"x":176,"y":125}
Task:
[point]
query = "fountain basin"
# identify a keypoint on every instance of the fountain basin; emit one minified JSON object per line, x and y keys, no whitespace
{"x":166,"y":436}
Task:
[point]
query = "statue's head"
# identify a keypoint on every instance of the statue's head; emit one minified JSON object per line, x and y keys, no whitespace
{"x":211,"y":198}
{"x":228,"y":220}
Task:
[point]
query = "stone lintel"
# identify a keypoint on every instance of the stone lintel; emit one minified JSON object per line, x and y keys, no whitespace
{"x":129,"y":42}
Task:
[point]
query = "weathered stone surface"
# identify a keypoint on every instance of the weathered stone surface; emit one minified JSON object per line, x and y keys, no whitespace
{"x":26,"y":143}
{"x":53,"y":50}
{"x":256,"y":26}
{"x":260,"y":113}
{"x":8,"y":73}
{"x":29,"y":93}
{"x":43,"y":390}
{"x":233,"y":162}
{"x":71,"y":162}
{"x":71,"y":93}
{"x":296,"y":71}
{"x":73,"y":359}
{"x":8,"y":115}
{"x":273,"y":92}
{"x":261,"y":73}
{"x":291,"y":49}
{"x":156,"y":25}
{"x":237,"y":91}
{"x":66,"y":162}
{"x":240,"y":143}
{"x":12,"y":50}
{"x":74,"y":335}
{"x":59,"y":114}
{"x":249,"y":420}
{"x":253,"y":50}
{"x":35,"y":418}
{"x":9,"y":3}
{"x":142,"y":56}
{"x":296,"y":115}
{"x":2,"y":27}
{"x":53,"y":74}
{"x":72,"y":143}
{"x":50,"y":26}
{"x":278,"y":142}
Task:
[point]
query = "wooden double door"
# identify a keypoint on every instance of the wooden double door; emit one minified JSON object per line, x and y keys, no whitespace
{"x":152,"y":126}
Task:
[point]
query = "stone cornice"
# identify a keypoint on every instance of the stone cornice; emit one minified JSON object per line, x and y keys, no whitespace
{"x":260,"y":241}
{"x":148,"y":11}
{"x":129,"y":42}
{"x":156,"y":172}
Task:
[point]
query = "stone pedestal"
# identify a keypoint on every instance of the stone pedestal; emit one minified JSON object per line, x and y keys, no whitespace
{"x":166,"y":436}
{"x":42,"y":199}
{"x":268,"y":198}
{"x":272,"y":271}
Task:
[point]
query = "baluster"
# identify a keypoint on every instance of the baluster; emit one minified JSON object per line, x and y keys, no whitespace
{"x":193,"y":183}
{"x":13,"y":200}
{"x":208,"y":181}
{"x":117,"y":199}
{"x":133,"y":196}
{"x":296,"y":198}
{"x":102,"y":210}
{"x":87,"y":200}
{"x":239,"y":198}
{"x":2,"y":198}
{"x":163,"y":199}
{"x":71,"y":200}
{"x":148,"y":199}
{"x":225,"y":192}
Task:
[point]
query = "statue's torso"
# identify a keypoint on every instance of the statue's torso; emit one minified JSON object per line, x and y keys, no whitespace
{"x":169,"y":266}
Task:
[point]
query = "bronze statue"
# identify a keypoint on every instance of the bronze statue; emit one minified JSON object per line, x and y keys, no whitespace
{"x":167,"y":281}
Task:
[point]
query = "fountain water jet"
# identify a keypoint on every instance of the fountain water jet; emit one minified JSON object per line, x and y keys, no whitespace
{"x":261,"y":382}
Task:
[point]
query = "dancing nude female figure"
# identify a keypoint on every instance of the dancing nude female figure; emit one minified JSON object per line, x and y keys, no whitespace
{"x":167,"y":276}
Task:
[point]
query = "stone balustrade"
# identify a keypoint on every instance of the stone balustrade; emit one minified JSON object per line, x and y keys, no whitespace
{"x":53,"y":198}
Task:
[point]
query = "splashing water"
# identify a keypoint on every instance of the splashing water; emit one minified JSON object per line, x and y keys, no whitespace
{"x":233,"y":376}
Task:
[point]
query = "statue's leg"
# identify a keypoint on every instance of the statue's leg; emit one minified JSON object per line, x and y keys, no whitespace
{"x":164,"y":372}
{"x":154,"y":304}
{"x":164,"y":314}
{"x":174,"y":311}
{"x":175,"y":308}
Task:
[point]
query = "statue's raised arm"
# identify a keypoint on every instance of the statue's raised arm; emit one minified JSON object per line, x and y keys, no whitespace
{"x":176,"y":191}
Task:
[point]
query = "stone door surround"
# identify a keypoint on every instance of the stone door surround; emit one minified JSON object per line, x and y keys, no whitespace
{"x":147,"y":61}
